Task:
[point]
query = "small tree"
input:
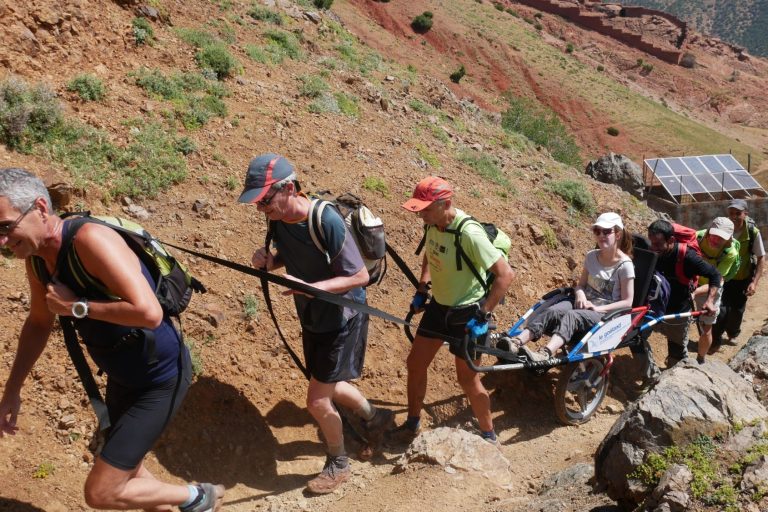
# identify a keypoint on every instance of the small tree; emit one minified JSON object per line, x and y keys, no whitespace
{"x":422,"y":23}
{"x":323,"y":4}
{"x":688,"y":60}
{"x":457,"y":75}
{"x":613,"y":132}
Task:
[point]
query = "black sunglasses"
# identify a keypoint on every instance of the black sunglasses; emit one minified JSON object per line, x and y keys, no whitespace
{"x":267,"y":200}
{"x":6,"y":229}
{"x":602,"y":231}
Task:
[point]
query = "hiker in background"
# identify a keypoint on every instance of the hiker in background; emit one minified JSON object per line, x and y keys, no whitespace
{"x":718,"y":248}
{"x":141,"y":397}
{"x":459,"y":302}
{"x":606,"y":284}
{"x":334,"y":337}
{"x":738,"y":290}
{"x":661,"y":234}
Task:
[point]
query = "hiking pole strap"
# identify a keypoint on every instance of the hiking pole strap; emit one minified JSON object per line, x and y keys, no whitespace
{"x":268,"y":301}
{"x":293,"y":285}
{"x":84,"y":372}
{"x":402,"y":266}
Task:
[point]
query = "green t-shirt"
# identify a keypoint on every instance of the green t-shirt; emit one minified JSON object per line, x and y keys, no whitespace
{"x":452,"y":287}
{"x":726,"y":260}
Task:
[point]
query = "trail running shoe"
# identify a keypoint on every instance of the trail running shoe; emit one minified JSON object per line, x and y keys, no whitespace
{"x":209,"y":499}
{"x":402,"y":435}
{"x":335,"y":472}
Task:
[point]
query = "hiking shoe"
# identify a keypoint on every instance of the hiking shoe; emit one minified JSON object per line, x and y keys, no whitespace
{"x":732,"y":341}
{"x":402,"y":434}
{"x":714,"y":347}
{"x":382,"y":421}
{"x":208,"y":500}
{"x":700,"y":359}
{"x":511,"y":345}
{"x":335,"y":472}
{"x":541,"y":355}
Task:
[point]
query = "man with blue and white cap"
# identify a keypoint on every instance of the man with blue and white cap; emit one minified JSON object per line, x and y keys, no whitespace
{"x":334,"y":337}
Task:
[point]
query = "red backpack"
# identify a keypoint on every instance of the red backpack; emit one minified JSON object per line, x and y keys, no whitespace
{"x":685,"y":238}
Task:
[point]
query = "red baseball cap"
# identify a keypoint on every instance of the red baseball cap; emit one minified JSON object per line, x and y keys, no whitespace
{"x":429,"y":190}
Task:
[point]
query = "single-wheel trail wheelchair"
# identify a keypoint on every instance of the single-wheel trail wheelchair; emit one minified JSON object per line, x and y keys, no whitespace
{"x":583,"y":383}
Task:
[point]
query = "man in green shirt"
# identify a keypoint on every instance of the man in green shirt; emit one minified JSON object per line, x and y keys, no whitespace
{"x":459,"y":303}
{"x":737,"y":291}
{"x":718,"y":248}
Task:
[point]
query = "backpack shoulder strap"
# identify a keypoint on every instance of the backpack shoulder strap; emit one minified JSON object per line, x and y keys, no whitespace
{"x":68,"y":262}
{"x":314,"y":222}
{"x":423,"y":240}
{"x":39,"y":270}
{"x":461,"y":255}
{"x":751,"y":233}
{"x":679,"y":271}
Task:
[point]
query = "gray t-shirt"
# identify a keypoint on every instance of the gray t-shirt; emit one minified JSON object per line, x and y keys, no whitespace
{"x":303,"y":260}
{"x":604,"y":283}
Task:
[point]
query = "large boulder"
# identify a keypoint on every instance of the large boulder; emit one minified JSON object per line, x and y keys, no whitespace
{"x":618,"y":170}
{"x":751,"y":362}
{"x":457,"y":450}
{"x":690,"y":400}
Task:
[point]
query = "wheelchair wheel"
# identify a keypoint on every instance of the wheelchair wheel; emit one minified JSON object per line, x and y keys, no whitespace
{"x":580,"y":391}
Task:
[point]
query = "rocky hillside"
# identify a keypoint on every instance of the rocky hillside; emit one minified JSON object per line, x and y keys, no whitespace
{"x":741,"y":22}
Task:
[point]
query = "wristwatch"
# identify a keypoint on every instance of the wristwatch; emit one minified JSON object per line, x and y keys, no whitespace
{"x":80,"y":308}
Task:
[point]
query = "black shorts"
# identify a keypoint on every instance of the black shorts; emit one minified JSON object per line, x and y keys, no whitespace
{"x":337,"y":356}
{"x":139,"y":416}
{"x":447,"y":323}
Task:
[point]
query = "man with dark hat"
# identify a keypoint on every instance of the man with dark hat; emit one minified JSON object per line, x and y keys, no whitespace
{"x":334,"y":337}
{"x":737,"y":291}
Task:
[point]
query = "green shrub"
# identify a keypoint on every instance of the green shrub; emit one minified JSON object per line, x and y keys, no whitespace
{"x":282,"y":44}
{"x":347,"y":104}
{"x":512,"y":12}
{"x":600,"y":67}
{"x":44,"y":470}
{"x":325,"y":103}
{"x":613,"y":132}
{"x":185,"y":146}
{"x":263,"y":14}
{"x":195,"y":358}
{"x":422,"y":23}
{"x":428,"y":157}
{"x":195,"y":37}
{"x":27,"y":114}
{"x":323,"y":4}
{"x":142,"y":31}
{"x":217,"y":58}
{"x":88,"y":87}
{"x":574,"y":193}
{"x":647,"y":68}
{"x":312,"y":86}
{"x":538,"y":26}
{"x":457,"y":75}
{"x":257,"y":53}
{"x":499,"y":6}
{"x":376,"y":184}
{"x":542,"y":127}
{"x":485,"y":165}
{"x":569,"y":48}
{"x":538,"y":15}
{"x":251,"y":307}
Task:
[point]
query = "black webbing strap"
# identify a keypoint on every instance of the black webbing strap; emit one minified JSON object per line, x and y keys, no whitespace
{"x":294,"y":285}
{"x":402,"y":266}
{"x":461,"y":255}
{"x":84,"y":372}
{"x":268,"y":301}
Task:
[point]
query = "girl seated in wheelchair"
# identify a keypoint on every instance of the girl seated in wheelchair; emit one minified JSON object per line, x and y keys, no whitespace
{"x":606,"y":284}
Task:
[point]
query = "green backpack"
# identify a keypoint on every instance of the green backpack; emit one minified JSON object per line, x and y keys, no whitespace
{"x":174,"y":283}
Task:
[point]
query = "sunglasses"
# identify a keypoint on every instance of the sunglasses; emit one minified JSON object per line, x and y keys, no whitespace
{"x":602,"y":231}
{"x":6,"y":229}
{"x":267,"y":200}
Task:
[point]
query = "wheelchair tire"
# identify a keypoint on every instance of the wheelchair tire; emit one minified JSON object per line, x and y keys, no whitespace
{"x":580,"y":391}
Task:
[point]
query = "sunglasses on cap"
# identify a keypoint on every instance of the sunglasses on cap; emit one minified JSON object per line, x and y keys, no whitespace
{"x":6,"y":229}
{"x":602,"y":231}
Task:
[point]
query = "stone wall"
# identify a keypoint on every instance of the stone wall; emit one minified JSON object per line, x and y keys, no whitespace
{"x":595,"y":21}
{"x":699,"y":215}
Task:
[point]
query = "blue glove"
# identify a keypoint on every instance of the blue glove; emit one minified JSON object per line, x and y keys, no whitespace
{"x":477,"y":327}
{"x":419,"y":299}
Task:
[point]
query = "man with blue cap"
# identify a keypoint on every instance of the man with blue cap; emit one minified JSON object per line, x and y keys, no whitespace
{"x":334,"y":337}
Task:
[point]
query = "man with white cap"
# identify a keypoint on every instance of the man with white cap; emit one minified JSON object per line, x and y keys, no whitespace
{"x":334,"y":337}
{"x":459,"y":301}
{"x":737,"y":291}
{"x":718,"y":248}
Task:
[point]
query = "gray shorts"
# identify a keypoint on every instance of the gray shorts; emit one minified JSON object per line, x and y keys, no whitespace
{"x":701,"y":299}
